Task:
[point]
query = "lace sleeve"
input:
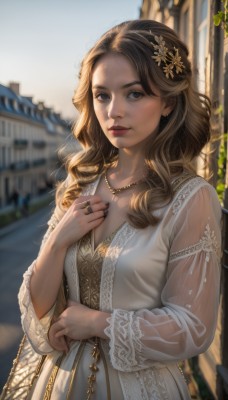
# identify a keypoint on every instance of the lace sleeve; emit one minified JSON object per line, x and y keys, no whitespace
{"x":185,"y":324}
{"x":35,"y":329}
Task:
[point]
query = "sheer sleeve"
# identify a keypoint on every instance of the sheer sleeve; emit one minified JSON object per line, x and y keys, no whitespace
{"x":185,"y":324}
{"x":35,"y":329}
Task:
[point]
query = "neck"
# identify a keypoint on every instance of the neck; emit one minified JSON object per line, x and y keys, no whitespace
{"x":129,"y":165}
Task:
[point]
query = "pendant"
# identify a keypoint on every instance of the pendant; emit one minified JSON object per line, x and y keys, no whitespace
{"x":94,"y":369}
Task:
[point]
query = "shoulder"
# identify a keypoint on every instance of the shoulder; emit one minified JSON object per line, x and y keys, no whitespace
{"x":59,"y":211}
{"x":196,"y":190}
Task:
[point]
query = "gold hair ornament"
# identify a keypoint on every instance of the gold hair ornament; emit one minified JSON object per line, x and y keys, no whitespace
{"x":172,"y":60}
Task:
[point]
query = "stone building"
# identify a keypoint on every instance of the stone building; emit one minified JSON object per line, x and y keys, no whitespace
{"x":193,"y":21}
{"x":30,"y":136}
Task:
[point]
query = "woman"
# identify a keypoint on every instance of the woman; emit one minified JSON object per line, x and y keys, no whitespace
{"x":135,"y":231}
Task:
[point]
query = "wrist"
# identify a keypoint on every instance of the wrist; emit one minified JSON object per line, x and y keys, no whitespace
{"x":56,"y":243}
{"x":100,"y":323}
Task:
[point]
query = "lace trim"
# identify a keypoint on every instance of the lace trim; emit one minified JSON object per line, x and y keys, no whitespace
{"x":185,"y":192}
{"x":153,"y":381}
{"x":31,"y":324}
{"x":208,"y":243}
{"x":132,"y":386}
{"x":70,"y":265}
{"x":119,"y":241}
{"x":36,"y":330}
{"x":148,"y":384}
{"x":125,"y":346}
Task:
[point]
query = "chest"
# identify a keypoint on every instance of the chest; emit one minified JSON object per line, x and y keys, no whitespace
{"x":131,"y":273}
{"x":117,"y":213}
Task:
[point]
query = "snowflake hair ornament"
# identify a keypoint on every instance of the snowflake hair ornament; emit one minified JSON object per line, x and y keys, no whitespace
{"x":171,"y":59}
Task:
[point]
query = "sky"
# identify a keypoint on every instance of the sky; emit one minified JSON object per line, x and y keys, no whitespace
{"x":43,"y":43}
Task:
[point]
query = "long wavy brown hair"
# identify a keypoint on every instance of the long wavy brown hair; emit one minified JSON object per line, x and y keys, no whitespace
{"x":180,"y":138}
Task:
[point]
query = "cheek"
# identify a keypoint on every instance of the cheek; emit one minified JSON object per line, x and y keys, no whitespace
{"x":148,"y":115}
{"x":99,"y":114}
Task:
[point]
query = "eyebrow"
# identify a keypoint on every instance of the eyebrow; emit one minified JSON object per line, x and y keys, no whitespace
{"x":122,"y":87}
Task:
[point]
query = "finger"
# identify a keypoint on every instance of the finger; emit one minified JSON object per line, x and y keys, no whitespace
{"x":85,"y":204}
{"x":88,"y":209}
{"x":98,"y":215}
{"x":63,"y":332}
{"x":58,"y":343}
{"x":61,"y":345}
{"x":94,"y":224}
{"x":96,"y":207}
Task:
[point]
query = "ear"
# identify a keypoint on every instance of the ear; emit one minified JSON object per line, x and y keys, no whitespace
{"x":169,"y":106}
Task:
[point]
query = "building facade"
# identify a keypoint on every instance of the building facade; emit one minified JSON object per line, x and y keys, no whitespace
{"x":30,"y":136}
{"x":193,"y":21}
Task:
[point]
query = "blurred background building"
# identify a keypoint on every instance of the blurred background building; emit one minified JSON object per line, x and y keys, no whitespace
{"x":30,"y":136}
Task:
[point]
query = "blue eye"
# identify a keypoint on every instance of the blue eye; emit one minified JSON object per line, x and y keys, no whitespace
{"x":101,"y":96}
{"x":135,"y":95}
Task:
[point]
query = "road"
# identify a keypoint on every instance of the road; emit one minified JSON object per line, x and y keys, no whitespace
{"x":19,"y":245}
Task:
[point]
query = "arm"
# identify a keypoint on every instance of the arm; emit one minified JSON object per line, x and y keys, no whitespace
{"x":48,"y":269}
{"x":35,"y":329}
{"x":36,"y":312}
{"x":184,"y":326}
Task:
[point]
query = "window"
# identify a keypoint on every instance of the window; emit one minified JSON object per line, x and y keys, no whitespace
{"x":3,"y":158}
{"x":9,"y":155}
{"x":202,"y":41}
{"x":9,"y":129}
{"x":3,"y":129}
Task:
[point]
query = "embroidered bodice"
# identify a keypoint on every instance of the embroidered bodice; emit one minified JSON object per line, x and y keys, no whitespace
{"x":89,"y":262}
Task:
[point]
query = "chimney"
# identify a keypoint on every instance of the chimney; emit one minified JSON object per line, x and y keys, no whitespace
{"x":41,"y":105}
{"x":15,"y":87}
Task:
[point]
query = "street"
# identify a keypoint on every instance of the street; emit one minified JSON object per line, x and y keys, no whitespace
{"x":18,"y":247}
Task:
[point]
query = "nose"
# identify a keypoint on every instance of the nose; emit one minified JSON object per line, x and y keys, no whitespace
{"x":116,"y":108}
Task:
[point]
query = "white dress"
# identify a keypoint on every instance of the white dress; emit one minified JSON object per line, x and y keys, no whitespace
{"x":161,"y":285}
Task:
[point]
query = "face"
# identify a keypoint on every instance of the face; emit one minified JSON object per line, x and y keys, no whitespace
{"x":127,"y":115}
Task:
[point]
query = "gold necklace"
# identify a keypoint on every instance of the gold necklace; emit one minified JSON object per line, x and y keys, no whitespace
{"x":119,"y":190}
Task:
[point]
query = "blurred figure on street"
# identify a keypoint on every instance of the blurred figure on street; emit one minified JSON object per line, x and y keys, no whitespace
{"x":15,"y":199}
{"x":25,"y":204}
{"x":126,"y":283}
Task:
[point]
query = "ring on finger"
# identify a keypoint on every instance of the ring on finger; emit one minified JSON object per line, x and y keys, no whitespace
{"x":86,"y":204}
{"x":89,"y":210}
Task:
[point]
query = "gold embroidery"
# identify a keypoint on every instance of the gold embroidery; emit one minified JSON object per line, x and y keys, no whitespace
{"x":94,"y":369}
{"x":52,"y":378}
{"x":89,"y":272}
{"x":179,"y":182}
{"x":38,"y":370}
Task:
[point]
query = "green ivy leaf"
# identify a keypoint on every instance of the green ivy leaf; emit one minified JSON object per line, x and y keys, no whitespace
{"x":217,"y":19}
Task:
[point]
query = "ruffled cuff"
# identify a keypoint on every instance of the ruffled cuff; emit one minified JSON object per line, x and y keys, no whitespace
{"x":36,"y":329}
{"x":125,"y":346}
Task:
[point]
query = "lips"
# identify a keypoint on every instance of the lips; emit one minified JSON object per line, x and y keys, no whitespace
{"x":118,"y":130}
